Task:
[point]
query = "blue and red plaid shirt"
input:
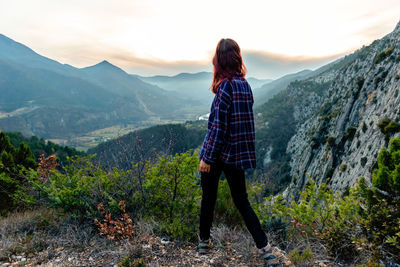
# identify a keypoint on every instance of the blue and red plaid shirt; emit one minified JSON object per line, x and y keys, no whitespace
{"x":231,"y":136}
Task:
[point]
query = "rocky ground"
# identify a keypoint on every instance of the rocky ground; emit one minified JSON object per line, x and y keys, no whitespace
{"x":36,"y":239}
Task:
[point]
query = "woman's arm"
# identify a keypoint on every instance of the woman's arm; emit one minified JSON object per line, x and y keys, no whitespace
{"x":217,"y":136}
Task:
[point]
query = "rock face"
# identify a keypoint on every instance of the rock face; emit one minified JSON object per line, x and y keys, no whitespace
{"x":337,"y":138}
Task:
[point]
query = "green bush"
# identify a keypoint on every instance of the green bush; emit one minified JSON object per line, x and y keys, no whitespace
{"x":226,"y":211}
{"x":383,"y":123}
{"x":343,"y":167}
{"x":173,"y":192}
{"x":83,"y":185}
{"x":388,"y":127}
{"x":166,"y":191}
{"x":392,"y":127}
{"x":14,"y":163}
{"x":366,"y":219}
{"x":318,"y":214}
{"x":380,"y":207}
{"x":383,"y":55}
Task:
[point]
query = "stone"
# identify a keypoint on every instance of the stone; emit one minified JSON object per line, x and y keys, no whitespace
{"x":350,"y":106}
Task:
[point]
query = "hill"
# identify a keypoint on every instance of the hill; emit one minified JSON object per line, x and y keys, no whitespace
{"x":43,"y":97}
{"x":144,"y":144}
{"x":194,"y":85}
{"x":327,"y":126}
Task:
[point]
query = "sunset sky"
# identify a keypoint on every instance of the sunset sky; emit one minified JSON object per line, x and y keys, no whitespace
{"x":150,"y":37}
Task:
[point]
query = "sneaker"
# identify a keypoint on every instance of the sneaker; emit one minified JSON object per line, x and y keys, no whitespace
{"x":203,"y":247}
{"x":269,"y":257}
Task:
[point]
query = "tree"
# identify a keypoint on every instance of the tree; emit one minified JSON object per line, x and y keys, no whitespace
{"x":381,"y":203}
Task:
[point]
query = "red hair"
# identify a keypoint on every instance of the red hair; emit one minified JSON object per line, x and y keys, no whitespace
{"x":227,"y":62}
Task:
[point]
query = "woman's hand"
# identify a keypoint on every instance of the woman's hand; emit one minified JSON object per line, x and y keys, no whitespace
{"x":204,"y":167}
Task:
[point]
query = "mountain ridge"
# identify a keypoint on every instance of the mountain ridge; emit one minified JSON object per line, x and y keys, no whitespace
{"x":338,"y":141}
{"x":103,"y":93}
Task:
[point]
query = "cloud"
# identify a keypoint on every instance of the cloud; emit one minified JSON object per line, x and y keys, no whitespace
{"x":259,"y":64}
{"x":167,"y":37}
{"x":269,"y":65}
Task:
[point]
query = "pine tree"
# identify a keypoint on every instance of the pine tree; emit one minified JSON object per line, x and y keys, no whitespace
{"x":381,"y":212}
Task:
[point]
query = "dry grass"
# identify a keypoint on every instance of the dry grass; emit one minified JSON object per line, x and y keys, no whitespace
{"x":42,"y":233}
{"x":43,"y":238}
{"x":224,"y":237}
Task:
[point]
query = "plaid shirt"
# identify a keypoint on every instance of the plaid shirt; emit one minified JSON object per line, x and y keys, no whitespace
{"x":230,"y":136}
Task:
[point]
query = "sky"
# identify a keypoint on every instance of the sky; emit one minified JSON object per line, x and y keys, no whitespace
{"x":150,"y":37}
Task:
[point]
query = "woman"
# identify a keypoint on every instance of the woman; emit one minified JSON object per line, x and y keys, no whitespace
{"x":229,"y":145}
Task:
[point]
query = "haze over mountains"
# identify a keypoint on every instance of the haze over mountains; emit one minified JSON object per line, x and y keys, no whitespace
{"x":40,"y":96}
{"x":307,"y":123}
{"x":328,"y":124}
{"x":193,"y":85}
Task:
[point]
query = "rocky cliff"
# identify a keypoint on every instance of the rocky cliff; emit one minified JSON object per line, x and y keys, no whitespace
{"x":337,"y":137}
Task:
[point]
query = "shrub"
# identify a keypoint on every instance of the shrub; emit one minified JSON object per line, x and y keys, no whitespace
{"x":14,"y":163}
{"x":350,"y":132}
{"x":278,"y":228}
{"x":364,"y":127}
{"x":383,"y":55}
{"x":166,"y":191}
{"x":380,"y":206}
{"x":377,"y":80}
{"x":363,"y":161}
{"x":330,"y":140}
{"x":343,"y":167}
{"x":319,"y":214}
{"x":383,"y":123}
{"x":115,"y":228}
{"x":360,"y":82}
{"x":388,"y":127}
{"x":301,"y":257}
{"x":225,"y":210}
{"x":83,"y":185}
{"x":173,"y":193}
{"x":392,"y":127}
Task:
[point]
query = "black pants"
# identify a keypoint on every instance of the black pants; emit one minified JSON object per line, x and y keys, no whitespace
{"x":237,"y":185}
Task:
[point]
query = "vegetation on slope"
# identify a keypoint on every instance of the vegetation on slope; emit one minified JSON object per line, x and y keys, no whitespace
{"x":275,"y":125}
{"x":165,"y":192}
{"x":145,"y":144}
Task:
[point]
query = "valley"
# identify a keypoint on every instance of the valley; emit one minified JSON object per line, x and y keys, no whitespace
{"x":295,"y":114}
{"x":96,"y":137}
{"x":105,"y":110}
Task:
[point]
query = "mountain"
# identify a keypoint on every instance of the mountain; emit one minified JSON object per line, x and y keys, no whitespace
{"x":265,"y":92}
{"x":153,"y":100}
{"x":43,"y":97}
{"x":270,"y":89}
{"x":194,"y":85}
{"x":341,"y":133}
{"x":15,"y":52}
{"x":331,"y":125}
{"x":257,"y":83}
{"x":327,"y":124}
